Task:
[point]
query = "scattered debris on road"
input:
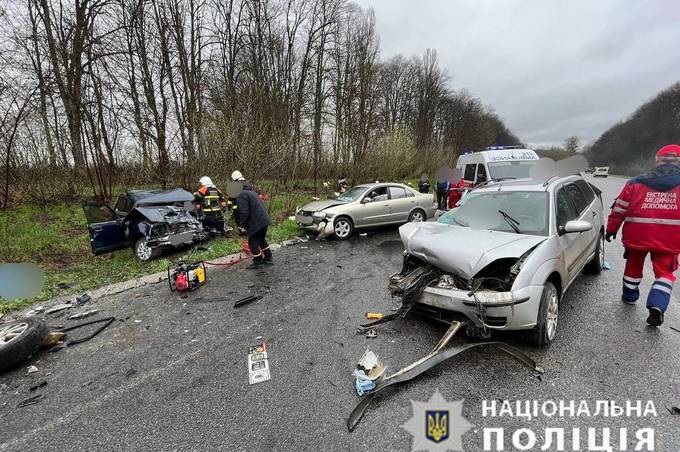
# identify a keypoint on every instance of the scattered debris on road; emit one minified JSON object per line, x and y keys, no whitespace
{"x":31,"y":400}
{"x":31,"y":369}
{"x":374,"y":315}
{"x":258,"y":364}
{"x":84,"y":314}
{"x":435,"y":357}
{"x":37,"y":386}
{"x":371,"y":334}
{"x":58,"y":308}
{"x":247,"y":300}
{"x":67,"y":342}
{"x":674,"y":410}
{"x":81,"y":300}
{"x":606,"y":266}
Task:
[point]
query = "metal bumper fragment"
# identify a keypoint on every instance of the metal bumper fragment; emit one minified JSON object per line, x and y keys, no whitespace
{"x":435,"y":357}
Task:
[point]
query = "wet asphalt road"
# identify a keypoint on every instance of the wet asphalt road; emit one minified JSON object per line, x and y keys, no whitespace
{"x":171,"y":373}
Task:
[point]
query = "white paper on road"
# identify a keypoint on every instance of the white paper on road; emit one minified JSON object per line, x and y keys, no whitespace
{"x":258,"y":364}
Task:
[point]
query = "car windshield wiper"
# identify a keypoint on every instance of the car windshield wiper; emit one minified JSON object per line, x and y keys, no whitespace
{"x":511,"y":221}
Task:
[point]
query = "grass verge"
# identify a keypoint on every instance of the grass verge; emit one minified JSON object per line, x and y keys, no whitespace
{"x":55,"y":237}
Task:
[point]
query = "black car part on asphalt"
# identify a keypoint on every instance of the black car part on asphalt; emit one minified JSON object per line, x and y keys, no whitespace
{"x":106,"y":321}
{"x":19,"y":340}
{"x":409,"y":287}
{"x":435,"y":357}
{"x":246,"y":300}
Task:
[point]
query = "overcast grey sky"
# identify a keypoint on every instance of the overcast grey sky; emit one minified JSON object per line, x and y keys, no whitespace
{"x":549,"y":68}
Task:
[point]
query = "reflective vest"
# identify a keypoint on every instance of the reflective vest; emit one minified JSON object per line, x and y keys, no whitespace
{"x":649,"y":208}
{"x":210,"y":199}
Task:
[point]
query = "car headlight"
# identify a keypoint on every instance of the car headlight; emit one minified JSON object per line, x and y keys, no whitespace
{"x":490,"y":298}
{"x":319,"y":215}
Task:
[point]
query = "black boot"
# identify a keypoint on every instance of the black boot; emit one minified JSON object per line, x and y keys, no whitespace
{"x":257,"y":263}
{"x":655,"y":317}
{"x":268,"y":258}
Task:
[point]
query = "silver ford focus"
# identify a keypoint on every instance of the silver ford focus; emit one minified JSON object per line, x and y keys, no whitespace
{"x":365,"y":206}
{"x":509,"y":252}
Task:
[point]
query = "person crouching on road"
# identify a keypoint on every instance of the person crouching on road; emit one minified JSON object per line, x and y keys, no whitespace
{"x":254,"y":220}
{"x":649,"y":207}
{"x":209,"y":199}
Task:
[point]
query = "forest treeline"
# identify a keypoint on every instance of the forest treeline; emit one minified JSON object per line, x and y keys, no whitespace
{"x":629,"y":146}
{"x":96,"y":94}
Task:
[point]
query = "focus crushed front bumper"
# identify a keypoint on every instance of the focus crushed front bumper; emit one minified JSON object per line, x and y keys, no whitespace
{"x":516,"y":310}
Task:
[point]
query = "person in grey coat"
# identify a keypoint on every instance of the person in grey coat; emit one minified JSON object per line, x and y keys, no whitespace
{"x":253,"y":220}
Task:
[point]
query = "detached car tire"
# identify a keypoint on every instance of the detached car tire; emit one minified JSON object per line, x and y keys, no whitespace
{"x":143,"y":252}
{"x":546,"y":323}
{"x":343,"y":228}
{"x":19,"y":340}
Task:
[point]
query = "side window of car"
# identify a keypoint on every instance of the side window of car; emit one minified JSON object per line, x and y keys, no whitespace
{"x":410,"y":194}
{"x":124,"y":205}
{"x":469,"y":172}
{"x":577,"y":197}
{"x":481,"y":173}
{"x":379,"y":194}
{"x":586,"y":189}
{"x":397,"y":192}
{"x":564,"y":207}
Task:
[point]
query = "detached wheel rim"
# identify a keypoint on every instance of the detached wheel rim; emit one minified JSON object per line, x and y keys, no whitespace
{"x":342,"y":228}
{"x":11,"y":332}
{"x":143,"y":250}
{"x":417,"y":216}
{"x":551,"y":315}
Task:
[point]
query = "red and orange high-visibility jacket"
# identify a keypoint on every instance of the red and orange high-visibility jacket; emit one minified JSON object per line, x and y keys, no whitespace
{"x":649,"y":208}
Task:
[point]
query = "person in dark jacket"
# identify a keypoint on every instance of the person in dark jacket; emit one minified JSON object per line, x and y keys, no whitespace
{"x":442,"y":188}
{"x":254,"y":220}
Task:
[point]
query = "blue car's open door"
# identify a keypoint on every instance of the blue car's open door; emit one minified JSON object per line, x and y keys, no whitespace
{"x":104,"y":228}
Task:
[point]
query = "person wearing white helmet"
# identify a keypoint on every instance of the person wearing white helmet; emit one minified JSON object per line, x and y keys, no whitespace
{"x":210,"y":203}
{"x":237,"y":176}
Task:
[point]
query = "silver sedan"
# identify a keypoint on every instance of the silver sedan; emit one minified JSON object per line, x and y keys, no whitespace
{"x":365,"y":206}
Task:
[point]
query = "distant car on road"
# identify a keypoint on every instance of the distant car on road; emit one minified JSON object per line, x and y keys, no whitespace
{"x":601,"y":171}
{"x":365,"y":206}
{"x":147,"y":220}
{"x":509,"y":252}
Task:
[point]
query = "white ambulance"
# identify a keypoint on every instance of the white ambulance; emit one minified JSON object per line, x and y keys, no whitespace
{"x":496,"y":162}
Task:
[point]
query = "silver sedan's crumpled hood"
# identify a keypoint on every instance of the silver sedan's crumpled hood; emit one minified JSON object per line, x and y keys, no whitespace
{"x":316,"y":206}
{"x":460,"y":250}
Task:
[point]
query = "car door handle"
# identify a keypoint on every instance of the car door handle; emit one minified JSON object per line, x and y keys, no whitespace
{"x":97,"y":228}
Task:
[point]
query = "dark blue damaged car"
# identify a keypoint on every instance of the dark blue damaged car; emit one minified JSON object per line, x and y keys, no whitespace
{"x":148,"y":221}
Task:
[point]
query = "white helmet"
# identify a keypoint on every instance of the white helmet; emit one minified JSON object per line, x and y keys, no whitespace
{"x":236,"y":175}
{"x":206,"y":181}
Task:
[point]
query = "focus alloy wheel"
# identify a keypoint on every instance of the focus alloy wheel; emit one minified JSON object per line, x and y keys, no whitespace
{"x":601,"y":251}
{"x":551,"y":318}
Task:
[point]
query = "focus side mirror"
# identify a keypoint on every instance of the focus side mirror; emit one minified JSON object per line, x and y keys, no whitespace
{"x":575,"y":226}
